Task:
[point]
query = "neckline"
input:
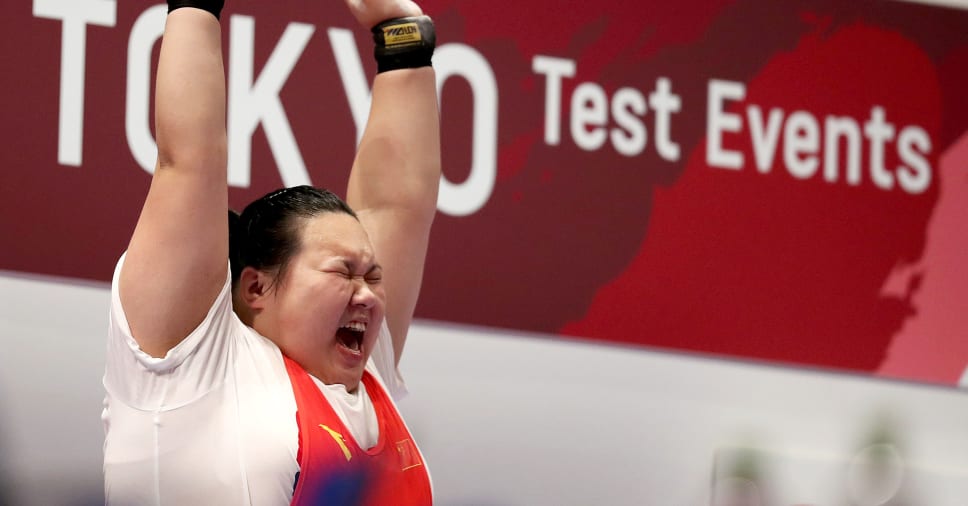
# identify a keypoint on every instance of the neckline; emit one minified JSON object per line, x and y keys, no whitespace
{"x":371,"y":386}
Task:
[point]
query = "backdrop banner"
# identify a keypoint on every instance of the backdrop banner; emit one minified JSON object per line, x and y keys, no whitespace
{"x":777,"y":181}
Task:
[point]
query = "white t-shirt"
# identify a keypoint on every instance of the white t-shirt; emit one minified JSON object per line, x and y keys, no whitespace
{"x":213,"y":421}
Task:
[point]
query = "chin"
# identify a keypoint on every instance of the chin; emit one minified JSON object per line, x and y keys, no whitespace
{"x":352,"y":388}
{"x":351,"y":379}
{"x":352,"y":383}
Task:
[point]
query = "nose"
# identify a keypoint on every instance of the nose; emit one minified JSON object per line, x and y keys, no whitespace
{"x":363,"y":294}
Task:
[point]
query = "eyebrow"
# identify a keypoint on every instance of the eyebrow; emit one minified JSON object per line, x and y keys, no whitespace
{"x":351,"y":266}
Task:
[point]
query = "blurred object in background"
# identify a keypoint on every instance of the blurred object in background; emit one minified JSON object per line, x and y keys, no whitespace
{"x":345,"y":486}
{"x":876,"y":472}
{"x":739,"y":478}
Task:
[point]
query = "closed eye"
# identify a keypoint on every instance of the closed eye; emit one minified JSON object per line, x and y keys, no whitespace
{"x":341,"y":273}
{"x":374,"y":275}
{"x":347,"y":270}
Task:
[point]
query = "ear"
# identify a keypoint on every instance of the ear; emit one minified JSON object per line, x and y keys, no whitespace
{"x":254,"y":288}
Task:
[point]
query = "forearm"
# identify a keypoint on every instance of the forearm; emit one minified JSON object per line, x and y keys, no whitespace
{"x":398,"y":163}
{"x":190,"y":94}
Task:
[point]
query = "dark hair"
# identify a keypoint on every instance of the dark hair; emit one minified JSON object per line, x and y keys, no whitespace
{"x":266,"y":235}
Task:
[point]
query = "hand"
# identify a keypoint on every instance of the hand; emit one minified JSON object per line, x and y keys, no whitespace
{"x":372,"y":12}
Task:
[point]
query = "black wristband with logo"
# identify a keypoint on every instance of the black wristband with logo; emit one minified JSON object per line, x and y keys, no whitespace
{"x":404,"y":43}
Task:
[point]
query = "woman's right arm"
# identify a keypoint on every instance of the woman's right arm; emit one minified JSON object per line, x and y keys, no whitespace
{"x":176,"y":262}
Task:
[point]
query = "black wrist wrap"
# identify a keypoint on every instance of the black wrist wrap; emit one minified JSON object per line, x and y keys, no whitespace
{"x":404,"y":43}
{"x":213,"y":6}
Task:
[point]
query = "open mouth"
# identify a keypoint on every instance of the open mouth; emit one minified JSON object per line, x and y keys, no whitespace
{"x":350,"y":336}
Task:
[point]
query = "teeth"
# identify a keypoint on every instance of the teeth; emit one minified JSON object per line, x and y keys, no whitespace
{"x":355,"y":326}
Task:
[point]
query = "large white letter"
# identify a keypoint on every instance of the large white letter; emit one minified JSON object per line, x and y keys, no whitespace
{"x":461,"y":60}
{"x":879,"y":131}
{"x":764,"y":137}
{"x":801,"y":136}
{"x":147,"y":29}
{"x":589,"y":106}
{"x":352,"y":75}
{"x":628,"y":105}
{"x":835,"y":128}
{"x":718,"y":121}
{"x":76,"y":15}
{"x":916,"y":176}
{"x":252,"y":102}
{"x":664,"y":103}
{"x":553,"y":69}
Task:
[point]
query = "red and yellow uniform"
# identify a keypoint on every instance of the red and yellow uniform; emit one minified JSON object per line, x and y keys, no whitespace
{"x":333,"y":467}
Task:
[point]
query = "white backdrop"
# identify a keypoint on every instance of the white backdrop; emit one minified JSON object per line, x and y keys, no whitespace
{"x":513,"y":419}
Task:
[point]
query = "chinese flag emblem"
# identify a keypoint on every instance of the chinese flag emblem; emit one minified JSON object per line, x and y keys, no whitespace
{"x":409,"y":456}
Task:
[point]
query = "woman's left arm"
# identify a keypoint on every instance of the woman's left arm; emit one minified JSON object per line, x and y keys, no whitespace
{"x":394,"y":180}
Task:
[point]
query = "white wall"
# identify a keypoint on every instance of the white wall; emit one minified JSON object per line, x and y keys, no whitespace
{"x":513,"y":419}
{"x":53,"y":345}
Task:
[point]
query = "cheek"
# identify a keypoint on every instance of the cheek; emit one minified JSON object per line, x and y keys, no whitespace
{"x":334,"y":294}
{"x":342,"y":291}
{"x":321,"y":298}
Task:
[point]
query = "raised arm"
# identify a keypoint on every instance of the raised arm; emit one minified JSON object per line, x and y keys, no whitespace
{"x":176,"y":261}
{"x":394,"y":180}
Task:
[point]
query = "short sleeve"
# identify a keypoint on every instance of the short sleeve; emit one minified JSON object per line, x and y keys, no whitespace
{"x":383,"y":363}
{"x":188,"y":371}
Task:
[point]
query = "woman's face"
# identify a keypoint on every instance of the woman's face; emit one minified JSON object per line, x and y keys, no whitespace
{"x":327,"y":311}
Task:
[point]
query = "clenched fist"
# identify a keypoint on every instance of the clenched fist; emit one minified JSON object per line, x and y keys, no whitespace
{"x":371,"y":12}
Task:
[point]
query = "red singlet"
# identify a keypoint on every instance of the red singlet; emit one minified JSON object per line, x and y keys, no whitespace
{"x":333,"y":469}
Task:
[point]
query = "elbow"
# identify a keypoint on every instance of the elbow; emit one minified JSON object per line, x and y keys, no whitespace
{"x":210,"y":157}
{"x":418,"y":197}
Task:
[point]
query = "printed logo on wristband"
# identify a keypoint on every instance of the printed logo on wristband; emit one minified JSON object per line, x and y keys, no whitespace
{"x":395,"y":35}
